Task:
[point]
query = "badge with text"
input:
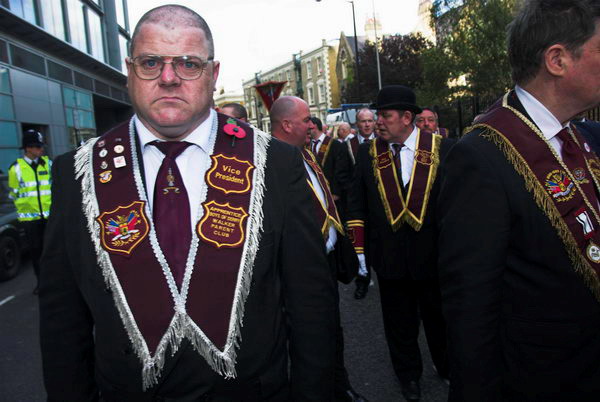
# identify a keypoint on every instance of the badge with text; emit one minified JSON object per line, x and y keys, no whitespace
{"x":229,"y":174}
{"x":222,"y":225}
{"x":424,"y":157}
{"x":123,"y":228}
{"x":384,"y":160}
{"x":559,"y":185}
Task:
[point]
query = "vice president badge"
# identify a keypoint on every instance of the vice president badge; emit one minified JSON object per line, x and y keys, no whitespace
{"x":123,"y":228}
{"x":229,"y":174}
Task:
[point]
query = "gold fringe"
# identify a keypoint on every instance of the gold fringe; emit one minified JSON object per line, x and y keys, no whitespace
{"x":545,"y":203}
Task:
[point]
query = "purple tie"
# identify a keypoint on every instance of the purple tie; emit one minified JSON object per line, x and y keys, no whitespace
{"x":398,"y":162}
{"x":171,"y":210}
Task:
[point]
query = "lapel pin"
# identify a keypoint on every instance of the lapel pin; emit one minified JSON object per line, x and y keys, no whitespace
{"x":119,"y":161}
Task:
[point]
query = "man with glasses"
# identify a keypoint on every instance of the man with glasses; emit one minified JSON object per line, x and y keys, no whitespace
{"x":181,"y":264}
{"x":29,"y":180}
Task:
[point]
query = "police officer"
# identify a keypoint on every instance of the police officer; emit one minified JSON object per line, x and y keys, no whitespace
{"x":29,"y":180}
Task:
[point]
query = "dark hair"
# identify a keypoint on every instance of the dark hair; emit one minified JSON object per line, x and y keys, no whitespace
{"x":173,"y":16}
{"x":239,"y":111}
{"x":317,"y":122}
{"x":543,"y":23}
{"x":430,"y":108}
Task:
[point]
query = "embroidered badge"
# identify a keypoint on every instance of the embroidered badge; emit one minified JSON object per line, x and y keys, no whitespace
{"x":123,"y":228}
{"x":105,"y":176}
{"x":384,"y":160}
{"x":103,"y":165}
{"x":593,"y":252}
{"x":232,"y":128}
{"x":579,"y":174}
{"x":171,"y":183}
{"x":229,"y":174}
{"x":559,"y":185}
{"x":424,"y":157}
{"x":222,"y":225}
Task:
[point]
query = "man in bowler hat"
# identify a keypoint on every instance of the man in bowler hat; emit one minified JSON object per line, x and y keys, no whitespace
{"x":394,"y":197}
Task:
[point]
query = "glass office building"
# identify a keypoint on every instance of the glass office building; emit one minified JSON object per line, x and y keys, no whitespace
{"x":61,"y":71}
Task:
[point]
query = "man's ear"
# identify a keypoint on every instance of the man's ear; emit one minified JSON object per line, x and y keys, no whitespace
{"x":557,"y":59}
{"x":287,"y":126}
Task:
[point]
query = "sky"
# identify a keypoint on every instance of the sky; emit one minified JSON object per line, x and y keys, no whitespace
{"x":257,"y":35}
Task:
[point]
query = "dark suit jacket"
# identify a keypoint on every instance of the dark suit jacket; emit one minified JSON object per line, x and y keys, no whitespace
{"x":290,"y":309}
{"x":591,"y":131}
{"x":338,"y":171}
{"x":522,"y":325}
{"x":405,"y":253}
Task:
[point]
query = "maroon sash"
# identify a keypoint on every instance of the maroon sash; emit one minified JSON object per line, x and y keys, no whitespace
{"x":323,"y":152}
{"x":411,"y":210}
{"x":567,"y":197}
{"x":354,"y":143}
{"x":326,"y":212}
{"x":155,"y":314}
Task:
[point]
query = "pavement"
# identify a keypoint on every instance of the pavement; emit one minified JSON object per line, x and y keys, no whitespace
{"x":367,"y":357}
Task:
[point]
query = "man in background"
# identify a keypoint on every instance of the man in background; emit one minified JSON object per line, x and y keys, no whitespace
{"x":428,"y":120}
{"x":235,"y":110}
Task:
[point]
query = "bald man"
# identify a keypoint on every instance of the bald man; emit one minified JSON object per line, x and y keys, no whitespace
{"x":291,"y":123}
{"x":181,"y":263}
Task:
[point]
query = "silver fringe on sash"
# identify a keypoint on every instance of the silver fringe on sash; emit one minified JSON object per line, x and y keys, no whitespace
{"x":223,"y":362}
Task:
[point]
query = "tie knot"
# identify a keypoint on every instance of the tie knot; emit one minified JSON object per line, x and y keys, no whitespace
{"x":397,"y":148}
{"x":564,"y":135}
{"x":171,"y":149}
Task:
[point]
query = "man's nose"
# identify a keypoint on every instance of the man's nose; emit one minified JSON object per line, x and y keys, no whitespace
{"x":168,"y":75}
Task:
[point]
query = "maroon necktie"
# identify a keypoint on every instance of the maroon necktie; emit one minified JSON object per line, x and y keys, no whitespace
{"x":314,"y":146}
{"x":572,"y":156}
{"x":171,"y":210}
{"x":397,"y":148}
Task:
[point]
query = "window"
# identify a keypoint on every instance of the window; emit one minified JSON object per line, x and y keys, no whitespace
{"x":83,"y":81}
{"x":52,"y":17}
{"x":319,"y":66}
{"x":121,"y":14}
{"x":124,"y":49}
{"x":288,"y":75}
{"x":95,"y":35}
{"x":59,"y":72}
{"x":308,"y":69}
{"x":27,"y":60}
{"x":311,"y":96}
{"x":9,"y":140}
{"x":79,"y":113}
{"x":76,"y":24}
{"x":25,"y":9}
{"x":322,"y":94}
{"x":3,"y":52}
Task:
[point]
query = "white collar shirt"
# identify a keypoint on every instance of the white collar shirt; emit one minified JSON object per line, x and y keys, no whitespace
{"x":192,"y":163}
{"x":348,"y":138}
{"x":332,"y":239}
{"x":319,"y":142}
{"x":542,"y":117}
{"x":407,"y":155}
{"x":362,"y":139}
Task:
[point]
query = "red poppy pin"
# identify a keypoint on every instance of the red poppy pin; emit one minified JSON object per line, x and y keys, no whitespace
{"x":233,"y":129}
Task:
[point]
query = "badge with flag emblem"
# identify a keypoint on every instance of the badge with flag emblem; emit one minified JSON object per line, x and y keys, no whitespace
{"x":123,"y":228}
{"x":559,"y":185}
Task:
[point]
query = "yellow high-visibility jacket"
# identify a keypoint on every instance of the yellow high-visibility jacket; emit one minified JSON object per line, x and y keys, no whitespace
{"x":30,"y":189}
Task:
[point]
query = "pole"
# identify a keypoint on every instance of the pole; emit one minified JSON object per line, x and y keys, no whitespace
{"x":356,"y":75}
{"x":376,"y":44}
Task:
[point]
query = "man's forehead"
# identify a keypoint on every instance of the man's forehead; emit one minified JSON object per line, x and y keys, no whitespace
{"x":157,"y":38}
{"x":427,"y":113}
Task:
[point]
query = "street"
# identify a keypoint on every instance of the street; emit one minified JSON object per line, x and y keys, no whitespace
{"x":367,"y":358}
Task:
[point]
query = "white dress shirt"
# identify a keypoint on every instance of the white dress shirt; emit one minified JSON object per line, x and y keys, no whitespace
{"x":332,"y":239}
{"x":407,"y":155}
{"x":362,"y":139}
{"x":542,"y":117}
{"x":192,"y":163}
{"x":319,"y":143}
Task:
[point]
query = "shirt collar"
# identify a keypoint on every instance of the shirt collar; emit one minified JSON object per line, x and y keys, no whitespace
{"x":411,"y":141}
{"x":321,"y":137}
{"x":541,"y":116}
{"x":200,"y":136}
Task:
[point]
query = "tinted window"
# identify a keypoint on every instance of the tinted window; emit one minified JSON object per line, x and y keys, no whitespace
{"x":59,"y":72}
{"x":27,"y":60}
{"x":3,"y":52}
{"x":83,"y":81}
{"x":102,"y":88}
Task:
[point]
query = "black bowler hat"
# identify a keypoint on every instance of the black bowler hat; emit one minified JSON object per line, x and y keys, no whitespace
{"x":32,"y":138}
{"x":396,"y":97}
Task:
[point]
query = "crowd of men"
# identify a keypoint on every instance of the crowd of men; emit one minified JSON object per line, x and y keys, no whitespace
{"x":189,"y":256}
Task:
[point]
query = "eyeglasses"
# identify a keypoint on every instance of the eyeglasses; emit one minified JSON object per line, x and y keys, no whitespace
{"x":150,"y":66}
